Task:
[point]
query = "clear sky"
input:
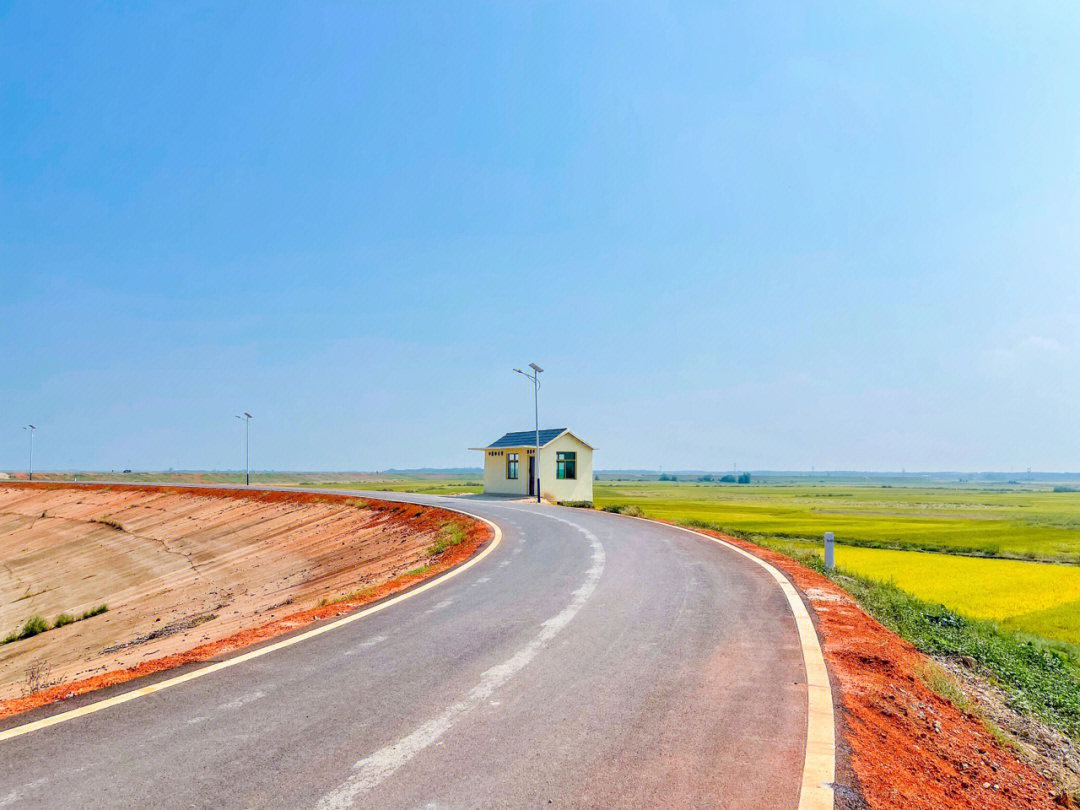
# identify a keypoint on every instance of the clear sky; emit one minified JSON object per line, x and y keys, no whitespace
{"x":836,"y":235}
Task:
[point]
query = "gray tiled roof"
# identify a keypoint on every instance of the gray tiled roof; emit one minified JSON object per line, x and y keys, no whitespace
{"x":527,"y":438}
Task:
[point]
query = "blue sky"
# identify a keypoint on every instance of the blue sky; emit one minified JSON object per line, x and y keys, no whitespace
{"x":779,"y":235}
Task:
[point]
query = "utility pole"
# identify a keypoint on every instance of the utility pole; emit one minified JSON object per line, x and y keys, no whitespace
{"x":31,"y":429}
{"x":246,"y":419}
{"x":535,"y":377}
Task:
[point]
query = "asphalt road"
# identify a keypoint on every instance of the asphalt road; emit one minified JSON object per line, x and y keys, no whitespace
{"x":589,"y":660}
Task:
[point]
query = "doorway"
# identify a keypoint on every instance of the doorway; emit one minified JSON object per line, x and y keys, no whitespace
{"x":532,"y":475}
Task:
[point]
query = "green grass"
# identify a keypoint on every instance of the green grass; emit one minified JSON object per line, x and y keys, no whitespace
{"x":38,"y":624}
{"x":450,"y":534}
{"x":96,"y":611}
{"x":1042,"y":678}
{"x":1000,"y":520}
{"x":33,"y":626}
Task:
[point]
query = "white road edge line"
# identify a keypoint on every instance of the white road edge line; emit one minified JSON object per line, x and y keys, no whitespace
{"x":816,"y":791}
{"x":91,"y":708}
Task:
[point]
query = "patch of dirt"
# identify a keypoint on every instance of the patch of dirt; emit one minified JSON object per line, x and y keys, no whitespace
{"x":161,"y":632}
{"x":191,"y":573}
{"x":1049,"y":751}
{"x":902,"y":744}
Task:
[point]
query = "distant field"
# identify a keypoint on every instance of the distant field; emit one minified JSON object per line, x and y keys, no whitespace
{"x":428,"y":483}
{"x":427,"y":487}
{"x":1016,"y":521}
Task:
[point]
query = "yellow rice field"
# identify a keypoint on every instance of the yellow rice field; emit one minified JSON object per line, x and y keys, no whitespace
{"x":1037,"y":598}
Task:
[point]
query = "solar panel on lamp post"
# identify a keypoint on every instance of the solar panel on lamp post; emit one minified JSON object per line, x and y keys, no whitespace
{"x":535,"y":377}
{"x":246,"y":418}
{"x":31,"y":428}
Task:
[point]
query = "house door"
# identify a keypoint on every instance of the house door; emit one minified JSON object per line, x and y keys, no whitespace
{"x":532,"y":475}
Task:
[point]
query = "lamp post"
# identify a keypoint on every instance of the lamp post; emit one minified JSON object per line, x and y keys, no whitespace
{"x":535,"y":377}
{"x":31,"y":429}
{"x":246,"y":419}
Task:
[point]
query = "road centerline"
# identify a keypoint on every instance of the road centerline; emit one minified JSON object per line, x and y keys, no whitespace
{"x":374,"y":769}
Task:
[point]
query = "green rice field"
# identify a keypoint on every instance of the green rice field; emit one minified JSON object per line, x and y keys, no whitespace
{"x":1017,"y":521}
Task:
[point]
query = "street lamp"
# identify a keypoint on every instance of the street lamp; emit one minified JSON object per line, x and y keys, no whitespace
{"x":31,"y":428}
{"x":535,"y":377}
{"x":246,"y":419}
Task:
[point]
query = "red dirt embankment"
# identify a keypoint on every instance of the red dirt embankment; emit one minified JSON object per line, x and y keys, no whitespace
{"x":908,"y":746}
{"x":190,"y":574}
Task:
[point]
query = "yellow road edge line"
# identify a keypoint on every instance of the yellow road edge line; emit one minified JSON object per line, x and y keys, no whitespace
{"x":91,"y":708}
{"x":816,"y":790}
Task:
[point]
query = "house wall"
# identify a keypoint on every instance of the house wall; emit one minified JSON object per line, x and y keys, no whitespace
{"x":495,"y":480}
{"x":554,"y":489}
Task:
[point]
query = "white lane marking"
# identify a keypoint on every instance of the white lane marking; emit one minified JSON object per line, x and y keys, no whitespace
{"x":15,"y":795}
{"x":243,"y":700}
{"x":370,"y":771}
{"x":91,"y":708}
{"x":363,"y":645}
{"x":445,"y":603}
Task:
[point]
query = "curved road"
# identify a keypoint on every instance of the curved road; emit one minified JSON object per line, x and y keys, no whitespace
{"x":589,"y":660}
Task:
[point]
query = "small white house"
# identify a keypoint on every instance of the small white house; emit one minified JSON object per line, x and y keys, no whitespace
{"x":565,"y":466}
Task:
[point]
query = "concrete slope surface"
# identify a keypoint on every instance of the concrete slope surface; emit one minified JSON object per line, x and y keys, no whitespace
{"x":587,"y":661}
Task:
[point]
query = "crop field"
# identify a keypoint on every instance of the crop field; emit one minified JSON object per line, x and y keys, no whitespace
{"x":1019,"y":521}
{"x":1035,"y":598}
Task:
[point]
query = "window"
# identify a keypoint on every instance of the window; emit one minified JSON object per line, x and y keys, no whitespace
{"x":511,"y":465}
{"x":566,"y":465}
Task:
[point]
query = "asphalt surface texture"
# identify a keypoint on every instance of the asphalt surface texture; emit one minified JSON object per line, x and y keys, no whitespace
{"x":590,"y":660}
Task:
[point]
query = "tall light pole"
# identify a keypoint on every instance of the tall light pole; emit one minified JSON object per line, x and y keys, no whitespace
{"x":246,"y":419}
{"x":535,"y":377}
{"x":31,"y":429}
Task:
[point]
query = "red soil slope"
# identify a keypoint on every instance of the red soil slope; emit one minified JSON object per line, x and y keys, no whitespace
{"x":216,"y":569}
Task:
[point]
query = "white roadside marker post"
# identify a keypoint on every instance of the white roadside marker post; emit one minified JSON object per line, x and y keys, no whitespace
{"x":828,"y":551}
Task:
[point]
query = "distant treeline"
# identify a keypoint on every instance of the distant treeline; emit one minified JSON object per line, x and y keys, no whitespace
{"x":741,"y":478}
